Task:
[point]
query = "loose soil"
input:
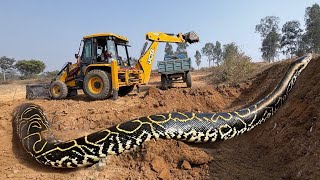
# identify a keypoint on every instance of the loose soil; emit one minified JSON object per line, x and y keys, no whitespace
{"x":286,"y":146}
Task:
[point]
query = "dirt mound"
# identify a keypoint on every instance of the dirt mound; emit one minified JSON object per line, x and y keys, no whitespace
{"x":286,"y":146}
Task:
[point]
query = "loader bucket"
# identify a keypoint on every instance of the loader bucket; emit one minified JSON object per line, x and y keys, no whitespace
{"x":191,"y":37}
{"x":38,"y":91}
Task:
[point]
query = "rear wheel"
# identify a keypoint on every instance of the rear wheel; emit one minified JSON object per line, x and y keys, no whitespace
{"x":58,"y":90}
{"x":188,"y":79}
{"x":97,"y":84}
{"x":164,"y":82}
{"x":124,"y":90}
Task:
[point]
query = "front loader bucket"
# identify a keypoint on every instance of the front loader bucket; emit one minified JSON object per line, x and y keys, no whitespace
{"x":38,"y":91}
{"x":191,"y":37}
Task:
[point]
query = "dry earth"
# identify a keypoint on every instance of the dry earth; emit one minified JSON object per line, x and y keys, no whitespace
{"x":286,"y":146}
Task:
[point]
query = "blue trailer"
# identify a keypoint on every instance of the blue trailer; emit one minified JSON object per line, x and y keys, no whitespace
{"x":175,"y":69}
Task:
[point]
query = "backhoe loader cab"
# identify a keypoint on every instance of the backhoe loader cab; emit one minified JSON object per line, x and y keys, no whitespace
{"x":103,"y":67}
{"x":94,"y":66}
{"x":102,"y":48}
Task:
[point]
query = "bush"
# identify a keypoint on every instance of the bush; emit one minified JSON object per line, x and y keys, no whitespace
{"x":236,"y":66}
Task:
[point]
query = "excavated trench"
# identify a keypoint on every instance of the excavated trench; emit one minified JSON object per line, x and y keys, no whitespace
{"x":286,"y":146}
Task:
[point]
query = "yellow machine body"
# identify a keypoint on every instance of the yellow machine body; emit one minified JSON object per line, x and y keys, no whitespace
{"x":123,"y":75}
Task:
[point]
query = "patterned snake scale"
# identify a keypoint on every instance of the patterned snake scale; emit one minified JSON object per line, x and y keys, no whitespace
{"x":30,"y":125}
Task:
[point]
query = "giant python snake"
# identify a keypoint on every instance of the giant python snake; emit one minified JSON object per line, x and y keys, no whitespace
{"x":30,"y":125}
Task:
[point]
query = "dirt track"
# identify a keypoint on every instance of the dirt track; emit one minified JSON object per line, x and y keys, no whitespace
{"x":286,"y":146}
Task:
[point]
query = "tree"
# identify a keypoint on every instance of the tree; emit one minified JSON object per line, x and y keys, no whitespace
{"x":304,"y":45}
{"x":168,"y":50}
{"x":30,"y":67}
{"x":208,"y":50}
{"x":182,"y":49}
{"x":292,"y":34}
{"x":312,"y":18}
{"x":198,"y":58}
{"x":12,"y":74}
{"x":5,"y":65}
{"x":217,"y":51}
{"x":267,"y":25}
{"x":230,"y":51}
{"x":268,"y":29}
{"x":270,"y":46}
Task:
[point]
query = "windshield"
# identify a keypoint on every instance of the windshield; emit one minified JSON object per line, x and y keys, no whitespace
{"x":111,"y":50}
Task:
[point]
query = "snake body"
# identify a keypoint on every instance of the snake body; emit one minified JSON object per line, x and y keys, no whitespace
{"x":30,"y":125}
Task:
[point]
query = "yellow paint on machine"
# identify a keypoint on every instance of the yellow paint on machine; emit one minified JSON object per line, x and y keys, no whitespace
{"x":121,"y":75}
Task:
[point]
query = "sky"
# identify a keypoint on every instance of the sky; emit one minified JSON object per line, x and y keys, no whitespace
{"x":51,"y":31}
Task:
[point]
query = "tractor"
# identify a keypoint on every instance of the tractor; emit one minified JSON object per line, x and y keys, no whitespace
{"x":104,"y":67}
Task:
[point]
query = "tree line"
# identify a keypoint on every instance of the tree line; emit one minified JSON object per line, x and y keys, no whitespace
{"x":180,"y":50}
{"x":216,"y":53}
{"x":26,"y":68}
{"x":291,"y":40}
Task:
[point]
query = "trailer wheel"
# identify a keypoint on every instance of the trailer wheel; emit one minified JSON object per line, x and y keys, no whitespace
{"x":164,"y":82}
{"x":188,"y":79}
{"x":97,"y":84}
{"x":124,"y":90}
{"x":58,"y":90}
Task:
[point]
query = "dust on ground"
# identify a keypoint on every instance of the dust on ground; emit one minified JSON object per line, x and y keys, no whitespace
{"x":286,"y":146}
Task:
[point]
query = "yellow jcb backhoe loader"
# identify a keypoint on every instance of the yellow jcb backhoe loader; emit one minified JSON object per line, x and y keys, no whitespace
{"x":103,"y":67}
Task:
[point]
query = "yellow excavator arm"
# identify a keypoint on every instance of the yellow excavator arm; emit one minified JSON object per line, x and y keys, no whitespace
{"x":146,"y":60}
{"x":164,"y":37}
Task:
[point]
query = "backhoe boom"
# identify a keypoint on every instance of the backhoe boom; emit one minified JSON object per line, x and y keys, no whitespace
{"x":146,"y":60}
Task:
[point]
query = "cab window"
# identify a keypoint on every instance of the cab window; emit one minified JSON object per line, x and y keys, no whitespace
{"x":87,"y":52}
{"x":111,"y":50}
{"x":122,"y":55}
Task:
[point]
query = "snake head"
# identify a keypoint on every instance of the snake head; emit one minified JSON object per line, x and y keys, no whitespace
{"x":303,"y":61}
{"x":307,"y":58}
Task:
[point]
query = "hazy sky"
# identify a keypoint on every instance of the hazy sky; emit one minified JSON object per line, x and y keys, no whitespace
{"x":52,"y":30}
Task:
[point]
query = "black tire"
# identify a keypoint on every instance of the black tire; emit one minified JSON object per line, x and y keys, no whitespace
{"x":58,"y":90}
{"x":164,"y":82}
{"x":97,"y":84}
{"x":124,"y":90}
{"x":188,"y":79}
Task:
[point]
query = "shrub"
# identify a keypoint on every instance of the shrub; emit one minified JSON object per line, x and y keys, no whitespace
{"x":236,"y":66}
